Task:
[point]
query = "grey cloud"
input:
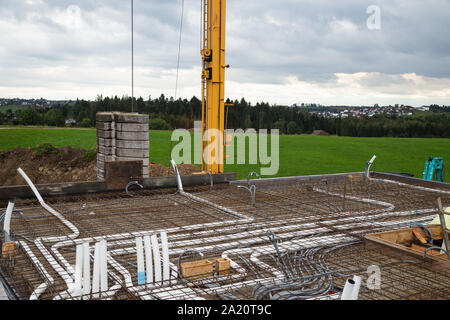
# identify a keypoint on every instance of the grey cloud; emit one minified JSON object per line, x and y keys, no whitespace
{"x":267,"y":41}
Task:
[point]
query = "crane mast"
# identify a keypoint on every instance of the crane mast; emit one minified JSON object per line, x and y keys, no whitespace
{"x":213,"y":80}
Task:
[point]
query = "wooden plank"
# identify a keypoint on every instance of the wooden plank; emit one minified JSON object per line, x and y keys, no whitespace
{"x":419,"y":236}
{"x":197,"y":269}
{"x":8,"y":250}
{"x":222,"y":266}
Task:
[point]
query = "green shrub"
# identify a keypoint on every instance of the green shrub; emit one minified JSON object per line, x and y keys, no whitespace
{"x":86,"y":123}
{"x":293,"y":128}
{"x":158,"y":124}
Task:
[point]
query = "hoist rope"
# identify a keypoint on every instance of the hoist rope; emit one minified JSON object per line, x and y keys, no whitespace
{"x":179,"y":48}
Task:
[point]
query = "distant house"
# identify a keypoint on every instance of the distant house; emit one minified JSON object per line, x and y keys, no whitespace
{"x":70,"y":122}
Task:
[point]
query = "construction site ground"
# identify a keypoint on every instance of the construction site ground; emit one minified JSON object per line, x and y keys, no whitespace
{"x":301,"y":240}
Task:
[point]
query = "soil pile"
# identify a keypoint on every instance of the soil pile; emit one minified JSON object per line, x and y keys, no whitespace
{"x":47,"y":164}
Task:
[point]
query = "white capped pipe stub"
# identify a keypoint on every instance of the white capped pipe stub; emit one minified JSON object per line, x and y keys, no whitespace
{"x":373,"y":159}
{"x":96,"y":274}
{"x":148,"y":259}
{"x":355,"y":292}
{"x":103,"y":266}
{"x":86,"y":269}
{"x":165,"y":256}
{"x":78,"y":270}
{"x":156,"y":258}
{"x":140,"y":261}
{"x":348,"y":288}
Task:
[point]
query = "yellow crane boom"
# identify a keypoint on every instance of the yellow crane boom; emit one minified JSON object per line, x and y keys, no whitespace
{"x":213,"y":85}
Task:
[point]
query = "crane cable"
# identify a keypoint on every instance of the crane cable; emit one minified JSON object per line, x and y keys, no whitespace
{"x":132,"y":55}
{"x":179,"y":48}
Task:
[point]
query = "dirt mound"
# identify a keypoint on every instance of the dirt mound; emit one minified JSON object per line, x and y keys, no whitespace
{"x":158,"y":170}
{"x":47,"y":164}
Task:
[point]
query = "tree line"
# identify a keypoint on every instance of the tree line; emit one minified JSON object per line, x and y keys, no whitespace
{"x":167,"y":113}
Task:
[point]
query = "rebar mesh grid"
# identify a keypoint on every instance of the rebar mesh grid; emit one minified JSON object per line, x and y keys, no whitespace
{"x":300,"y":240}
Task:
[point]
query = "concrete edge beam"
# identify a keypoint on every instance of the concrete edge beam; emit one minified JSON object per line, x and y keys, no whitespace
{"x":58,"y":189}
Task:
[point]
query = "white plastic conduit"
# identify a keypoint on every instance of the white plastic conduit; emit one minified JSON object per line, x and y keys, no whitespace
{"x":389,"y":206}
{"x":156,"y":258}
{"x":86,"y":269}
{"x":41,"y":288}
{"x":411,"y":186}
{"x":96,"y":274}
{"x":348,"y":288}
{"x":78,"y":271}
{"x":148,"y":259}
{"x":8,"y":214}
{"x":165,"y":257}
{"x":355,"y":292}
{"x":103,"y":266}
{"x":140,"y":261}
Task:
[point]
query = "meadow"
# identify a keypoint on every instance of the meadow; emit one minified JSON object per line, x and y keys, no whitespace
{"x":299,"y":155}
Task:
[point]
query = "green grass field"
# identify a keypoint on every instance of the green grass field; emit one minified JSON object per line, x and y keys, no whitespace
{"x":299,"y":155}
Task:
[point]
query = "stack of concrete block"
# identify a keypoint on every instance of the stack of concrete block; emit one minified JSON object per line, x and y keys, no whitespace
{"x":122,"y":137}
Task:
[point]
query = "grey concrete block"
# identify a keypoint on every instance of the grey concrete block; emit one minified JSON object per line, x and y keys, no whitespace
{"x":107,"y":126}
{"x":145,"y":171}
{"x":104,"y":158}
{"x":102,"y":142}
{"x":105,"y":116}
{"x":146,"y":162}
{"x":107,"y":150}
{"x":131,"y":118}
{"x":105,"y":134}
{"x":134,"y":153}
{"x":139,"y":136}
{"x":134,"y":127}
{"x":132,"y":144}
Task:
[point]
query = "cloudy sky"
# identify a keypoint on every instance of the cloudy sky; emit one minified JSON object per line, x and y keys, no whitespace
{"x":285,"y":51}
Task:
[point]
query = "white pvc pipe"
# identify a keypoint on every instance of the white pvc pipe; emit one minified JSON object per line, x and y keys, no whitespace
{"x":86,"y":269}
{"x":78,"y":271}
{"x":96,"y":273}
{"x":165,"y":256}
{"x":177,"y":174}
{"x":38,"y":291}
{"x":8,"y":214}
{"x":140,"y":261}
{"x":148,"y":259}
{"x":369,"y":164}
{"x":41,"y":288}
{"x":103,"y":267}
{"x":411,"y":186}
{"x":355,"y":292}
{"x":156,"y":258}
{"x":348,"y":288}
